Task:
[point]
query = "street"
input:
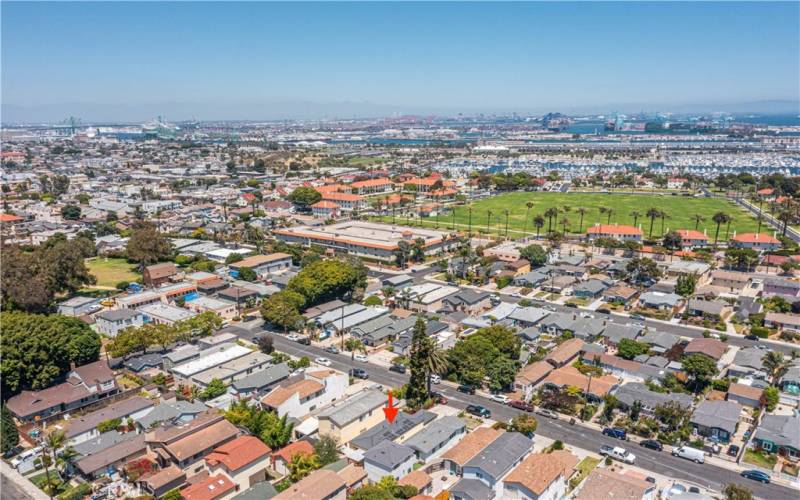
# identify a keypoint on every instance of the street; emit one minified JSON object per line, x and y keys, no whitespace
{"x":661,"y":462}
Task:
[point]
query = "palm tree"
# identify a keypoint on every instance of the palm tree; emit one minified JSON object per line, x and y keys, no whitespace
{"x":538,"y":223}
{"x":469,"y":224}
{"x":635,"y":214}
{"x":609,"y":212}
{"x":506,"y":213}
{"x":775,"y":364}
{"x":550,"y":213}
{"x":50,"y":446}
{"x":664,"y":217}
{"x":528,"y":207}
{"x":353,"y":345}
{"x":436,"y":363}
{"x":581,"y":211}
{"x":719,"y":218}
{"x":488,"y":219}
{"x":564,"y":224}
{"x":652,"y":214}
{"x":697,"y":218}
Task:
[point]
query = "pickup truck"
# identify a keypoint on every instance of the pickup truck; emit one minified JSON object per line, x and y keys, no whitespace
{"x":618,"y":453}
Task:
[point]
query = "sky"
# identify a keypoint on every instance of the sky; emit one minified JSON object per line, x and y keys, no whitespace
{"x":131,"y":61}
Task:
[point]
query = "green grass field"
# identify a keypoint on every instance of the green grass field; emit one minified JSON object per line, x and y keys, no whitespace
{"x":109,"y":272}
{"x":679,"y":210}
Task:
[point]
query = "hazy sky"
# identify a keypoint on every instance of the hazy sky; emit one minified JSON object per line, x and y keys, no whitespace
{"x":247,"y":60}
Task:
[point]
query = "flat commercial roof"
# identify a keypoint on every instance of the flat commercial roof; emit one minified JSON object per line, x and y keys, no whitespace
{"x":216,"y":358}
{"x":233,"y":367}
{"x":354,"y":407}
{"x":169,"y":313}
{"x":368,"y":234}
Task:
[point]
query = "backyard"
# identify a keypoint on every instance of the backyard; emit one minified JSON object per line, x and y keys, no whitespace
{"x":679,"y":211}
{"x":110,"y":271}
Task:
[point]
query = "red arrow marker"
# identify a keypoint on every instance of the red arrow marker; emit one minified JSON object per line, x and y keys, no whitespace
{"x":390,"y":411}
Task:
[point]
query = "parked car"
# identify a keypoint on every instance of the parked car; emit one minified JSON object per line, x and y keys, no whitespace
{"x":332,"y":349}
{"x":618,"y":453}
{"x":733,"y":450}
{"x":616,"y":432}
{"x":694,"y":489}
{"x":751,"y":337}
{"x":304,"y":340}
{"x":466,"y":389}
{"x":689,"y":453}
{"x":439,"y":398}
{"x":293,"y":337}
{"x":652,"y":444}
{"x":756,"y":475}
{"x":479,"y":411}
{"x":500,"y":398}
{"x":650,"y":479}
{"x":323,"y":361}
{"x":521,"y":405}
{"x":436,"y":379}
{"x":359,"y":373}
{"x":397,"y":368}
{"x":361,"y":357}
{"x":547,"y":413}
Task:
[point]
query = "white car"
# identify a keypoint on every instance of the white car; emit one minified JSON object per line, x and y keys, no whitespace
{"x":618,"y":453}
{"x":500,"y":398}
{"x":293,"y":337}
{"x":361,"y":357}
{"x":323,"y":361}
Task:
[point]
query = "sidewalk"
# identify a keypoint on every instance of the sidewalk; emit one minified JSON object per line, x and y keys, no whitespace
{"x":16,"y":487}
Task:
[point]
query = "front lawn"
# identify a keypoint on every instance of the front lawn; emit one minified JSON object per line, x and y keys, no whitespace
{"x":760,"y":459}
{"x":584,"y":468}
{"x":110,"y":271}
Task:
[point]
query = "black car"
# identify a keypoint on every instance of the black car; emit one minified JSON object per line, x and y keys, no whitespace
{"x":397,"y":368}
{"x":751,"y":337}
{"x":466,"y":389}
{"x":304,"y":340}
{"x":479,"y":411}
{"x":616,"y":432}
{"x":733,"y":450}
{"x":359,"y":373}
{"x":652,"y":444}
{"x":756,"y":475}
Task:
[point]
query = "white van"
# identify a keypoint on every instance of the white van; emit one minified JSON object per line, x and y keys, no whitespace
{"x":24,"y":462}
{"x":698,"y":456}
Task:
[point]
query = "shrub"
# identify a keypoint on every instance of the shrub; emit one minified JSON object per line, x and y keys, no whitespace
{"x":609,"y":461}
{"x":760,"y":332}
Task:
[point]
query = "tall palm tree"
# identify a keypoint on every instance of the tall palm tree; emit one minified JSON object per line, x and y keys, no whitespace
{"x":50,"y":446}
{"x":635,"y":214}
{"x":469,"y":223}
{"x":550,"y":213}
{"x":436,"y":363}
{"x":697,"y":218}
{"x":564,"y":224}
{"x":354,"y":345}
{"x":652,"y":214}
{"x":664,"y":217}
{"x":581,"y":211}
{"x":775,"y":364}
{"x":506,"y":214}
{"x":609,"y":213}
{"x":488,"y":220}
{"x":528,"y":207}
{"x":538,"y":223}
{"x":719,"y":218}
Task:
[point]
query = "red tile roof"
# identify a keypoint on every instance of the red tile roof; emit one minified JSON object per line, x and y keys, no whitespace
{"x":755,"y":238}
{"x":238,"y":453}
{"x":208,"y":489}
{"x":287,"y":452}
{"x":691,"y":234}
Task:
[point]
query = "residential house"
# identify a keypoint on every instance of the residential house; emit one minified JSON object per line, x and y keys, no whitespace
{"x":283,"y":457}
{"x":85,"y":427}
{"x":691,"y":238}
{"x":176,"y":412}
{"x":605,"y":483}
{"x":594,"y":388}
{"x":716,"y":419}
{"x":712,"y":348}
{"x":779,"y":434}
{"x":158,"y":483}
{"x":756,"y":241}
{"x":781,"y":286}
{"x":244,"y":461}
{"x":525,"y":317}
{"x":438,"y":436}
{"x":565,"y":353}
{"x":732,"y":280}
{"x":233,"y":370}
{"x":491,"y":465}
{"x":689,"y":268}
{"x":83,"y":386}
{"x":263,"y":265}
{"x":660,"y":300}
{"x":113,"y":321}
{"x":260,"y":382}
{"x":614,"y":231}
{"x":401,"y":429}
{"x":321,"y":484}
{"x":619,"y":293}
{"x":659,"y":342}
{"x":591,"y":289}
{"x":615,"y":332}
{"x":388,"y":459}
{"x":748,"y":363}
{"x":110,"y":459}
{"x":225,"y":309}
{"x":782,"y":321}
{"x":746,"y":395}
{"x":298,"y":398}
{"x":216,"y":487}
{"x":709,"y":309}
{"x":420,"y":480}
{"x":454,"y":459}
{"x":349,"y":418}
{"x":538,"y":477}
{"x":533,"y":279}
{"x":467,"y":300}
{"x":79,"y":306}
{"x":159,"y":274}
{"x":164,"y":314}
{"x":632,"y":392}
{"x":531,"y":376}
{"x":588,"y":329}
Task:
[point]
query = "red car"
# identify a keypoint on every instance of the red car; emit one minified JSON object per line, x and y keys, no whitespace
{"x":521,"y":405}
{"x":439,"y":398}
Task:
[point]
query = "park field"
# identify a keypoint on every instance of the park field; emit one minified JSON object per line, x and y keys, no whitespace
{"x":110,"y":271}
{"x":679,"y":211}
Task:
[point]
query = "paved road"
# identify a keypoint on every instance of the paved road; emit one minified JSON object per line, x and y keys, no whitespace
{"x":706,"y":475}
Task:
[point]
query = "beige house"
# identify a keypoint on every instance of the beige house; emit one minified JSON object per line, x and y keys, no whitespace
{"x":353,"y":416}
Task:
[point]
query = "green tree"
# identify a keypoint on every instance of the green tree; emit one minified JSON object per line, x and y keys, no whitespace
{"x":701,"y":368}
{"x":71,"y":212}
{"x":327,"y":449}
{"x":735,"y":491}
{"x":771,"y":397}
{"x":173,"y":494}
{"x":326,"y":280}
{"x":215,"y":388}
{"x":302,"y":464}
{"x":266,"y":343}
{"x":642,"y":269}
{"x":283,"y":309}
{"x":247,"y":274}
{"x":202,"y":325}
{"x":9,"y":435}
{"x":534,"y":254}
{"x":304,"y":197}
{"x":629,"y":349}
{"x":686,"y":284}
{"x":353,"y":345}
{"x":277,"y":433}
{"x":524,"y":423}
{"x":673,"y":241}
{"x":719,"y":218}
{"x":775,"y":364}
{"x":37,"y":350}
{"x":420,"y":349}
{"x":147,"y":245}
{"x":373,"y":300}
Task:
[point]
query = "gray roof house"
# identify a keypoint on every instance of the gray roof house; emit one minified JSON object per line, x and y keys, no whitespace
{"x":465,"y":299}
{"x":83,"y":428}
{"x":385,"y":431}
{"x":382,"y":329}
{"x":659,"y":341}
{"x":660,"y":300}
{"x":590,"y":289}
{"x":697,"y":307}
{"x":144,"y":362}
{"x":748,"y":363}
{"x":716,"y":419}
{"x":588,"y":328}
{"x":177,"y":412}
{"x":557,"y":323}
{"x":353,"y":407}
{"x":260,"y":382}
{"x":471,"y":489}
{"x":532,"y":279}
{"x":524,"y":317}
{"x":388,"y":459}
{"x":497,"y":459}
{"x":436,"y":437}
{"x":779,"y":434}
{"x":635,"y":391}
{"x":615,"y":332}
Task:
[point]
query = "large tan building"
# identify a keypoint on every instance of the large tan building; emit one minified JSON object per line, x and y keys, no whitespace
{"x":352,"y":416}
